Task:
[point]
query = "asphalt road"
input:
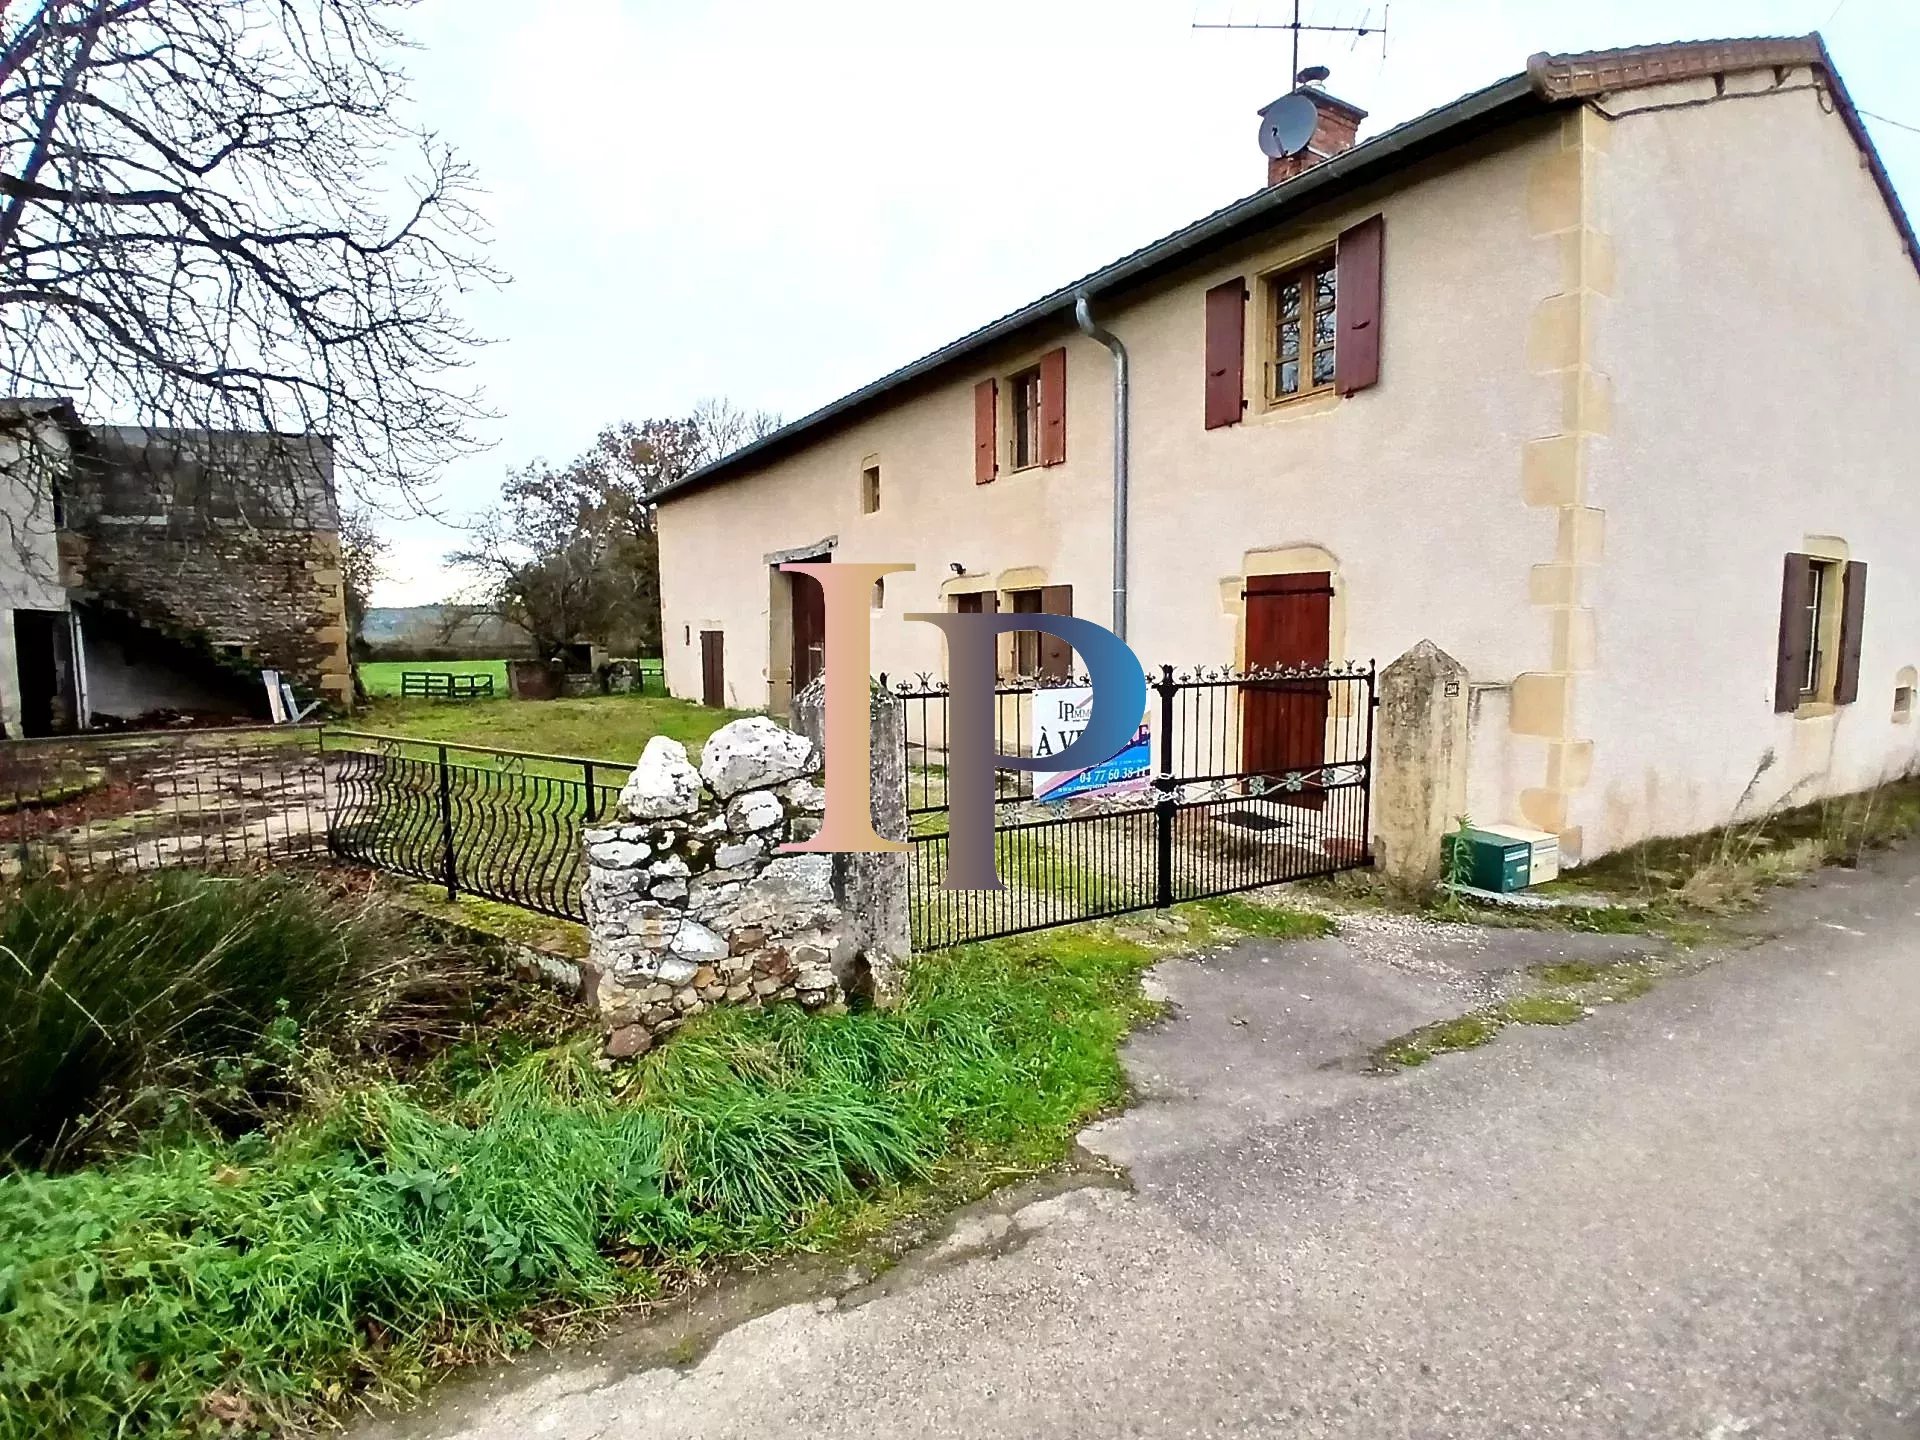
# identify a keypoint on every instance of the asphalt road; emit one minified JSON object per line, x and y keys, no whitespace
{"x":1696,"y":1214}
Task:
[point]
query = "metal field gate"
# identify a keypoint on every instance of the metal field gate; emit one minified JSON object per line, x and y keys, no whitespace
{"x":1257,"y":777}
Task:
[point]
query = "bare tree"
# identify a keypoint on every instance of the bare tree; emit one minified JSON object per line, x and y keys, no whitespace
{"x":720,"y":427}
{"x":215,"y":215}
{"x":361,"y":552}
{"x":570,"y":553}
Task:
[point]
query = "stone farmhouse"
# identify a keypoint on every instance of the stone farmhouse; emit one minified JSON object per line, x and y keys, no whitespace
{"x":150,"y":573}
{"x":1599,"y":378}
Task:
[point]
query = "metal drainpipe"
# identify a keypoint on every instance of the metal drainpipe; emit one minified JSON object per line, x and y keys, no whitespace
{"x":1083,"y":317}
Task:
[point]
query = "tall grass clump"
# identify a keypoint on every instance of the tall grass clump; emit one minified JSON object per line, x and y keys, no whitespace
{"x":387,"y":1229}
{"x":133,"y":1002}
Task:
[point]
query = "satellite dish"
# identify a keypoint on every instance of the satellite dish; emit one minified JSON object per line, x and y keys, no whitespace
{"x":1287,"y":125}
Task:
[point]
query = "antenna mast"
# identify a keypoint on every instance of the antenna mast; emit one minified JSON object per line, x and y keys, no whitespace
{"x":1297,"y":26}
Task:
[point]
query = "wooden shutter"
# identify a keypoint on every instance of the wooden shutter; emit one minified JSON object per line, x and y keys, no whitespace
{"x":1790,"y":660}
{"x":1853,"y":611}
{"x":1056,"y":656}
{"x":1356,"y":354}
{"x":1226,"y":352}
{"x":1053,"y":406}
{"x":986,"y":416}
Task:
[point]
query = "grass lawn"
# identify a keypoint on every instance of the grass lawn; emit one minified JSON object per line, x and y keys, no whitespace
{"x":382,"y":677}
{"x":599,"y":727}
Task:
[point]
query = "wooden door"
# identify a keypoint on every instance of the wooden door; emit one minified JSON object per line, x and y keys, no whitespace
{"x":808,"y":605}
{"x":1284,"y":722}
{"x":713,"y":668}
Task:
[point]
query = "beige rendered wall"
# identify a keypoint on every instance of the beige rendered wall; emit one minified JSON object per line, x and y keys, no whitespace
{"x":1410,"y":491}
{"x":1757,"y":347}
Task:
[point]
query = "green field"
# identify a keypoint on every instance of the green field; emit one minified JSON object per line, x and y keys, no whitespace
{"x":382,"y":677}
{"x":594,"y":727}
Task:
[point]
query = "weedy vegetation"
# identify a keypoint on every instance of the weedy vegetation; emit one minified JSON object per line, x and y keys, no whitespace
{"x":355,"y":1222}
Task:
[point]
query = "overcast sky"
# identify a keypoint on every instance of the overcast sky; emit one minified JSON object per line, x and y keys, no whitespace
{"x":777,"y":202}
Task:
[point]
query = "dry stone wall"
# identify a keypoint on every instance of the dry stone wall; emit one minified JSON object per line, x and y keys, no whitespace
{"x":689,"y":902}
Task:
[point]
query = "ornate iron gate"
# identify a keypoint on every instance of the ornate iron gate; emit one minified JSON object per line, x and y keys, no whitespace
{"x":1258,"y":777}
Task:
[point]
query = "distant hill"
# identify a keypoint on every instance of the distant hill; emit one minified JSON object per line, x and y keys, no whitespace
{"x":392,"y":629}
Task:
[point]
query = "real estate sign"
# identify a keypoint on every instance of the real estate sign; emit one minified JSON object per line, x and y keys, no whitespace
{"x":1059,"y":715}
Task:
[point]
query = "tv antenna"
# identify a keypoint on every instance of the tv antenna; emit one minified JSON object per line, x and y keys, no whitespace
{"x":1298,"y":26}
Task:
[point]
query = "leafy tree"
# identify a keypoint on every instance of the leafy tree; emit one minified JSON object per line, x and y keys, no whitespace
{"x":571,"y":554}
{"x":214,"y":215}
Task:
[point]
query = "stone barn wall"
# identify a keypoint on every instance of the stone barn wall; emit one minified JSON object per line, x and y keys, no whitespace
{"x":230,"y":538}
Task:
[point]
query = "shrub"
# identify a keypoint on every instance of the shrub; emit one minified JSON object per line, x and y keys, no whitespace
{"x":127,"y":1002}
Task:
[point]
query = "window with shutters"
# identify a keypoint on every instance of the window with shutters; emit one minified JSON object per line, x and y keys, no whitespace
{"x":1035,"y":654}
{"x":1822,"y":611}
{"x":1302,"y":323}
{"x":1023,"y":439}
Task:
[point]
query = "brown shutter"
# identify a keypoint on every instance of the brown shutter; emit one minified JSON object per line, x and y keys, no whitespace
{"x":986,"y":415}
{"x":1790,"y":661}
{"x":1056,"y":656}
{"x":1226,"y":352}
{"x":1053,"y":406}
{"x":1356,"y":355}
{"x":1853,"y":611}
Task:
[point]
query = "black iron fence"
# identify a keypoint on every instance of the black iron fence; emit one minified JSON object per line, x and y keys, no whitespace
{"x":140,"y":801}
{"x":1255,"y":778}
{"x":500,"y":824}
{"x":504,"y":825}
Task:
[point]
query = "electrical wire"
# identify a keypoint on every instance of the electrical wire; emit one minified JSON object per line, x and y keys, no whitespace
{"x":1888,"y":120}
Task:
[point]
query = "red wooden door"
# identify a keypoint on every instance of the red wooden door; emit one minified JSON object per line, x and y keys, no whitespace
{"x":809,"y":607}
{"x":1284,"y":722}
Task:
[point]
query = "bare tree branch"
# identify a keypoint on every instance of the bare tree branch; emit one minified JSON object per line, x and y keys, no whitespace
{"x":217,"y":216}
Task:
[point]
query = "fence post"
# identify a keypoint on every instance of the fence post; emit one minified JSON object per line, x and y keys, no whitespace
{"x":446,"y":827}
{"x":1366,"y":792}
{"x":1163,"y":808}
{"x":593,"y":812}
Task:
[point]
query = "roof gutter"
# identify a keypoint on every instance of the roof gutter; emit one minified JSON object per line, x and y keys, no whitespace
{"x":1122,"y":397}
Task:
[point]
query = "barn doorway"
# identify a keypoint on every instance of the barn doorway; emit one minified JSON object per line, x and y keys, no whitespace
{"x":43,"y":647}
{"x":1284,"y":717}
{"x":808,"y":606}
{"x":713,"y":668}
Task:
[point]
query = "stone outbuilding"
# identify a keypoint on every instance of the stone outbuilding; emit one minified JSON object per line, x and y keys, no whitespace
{"x":149,"y":572}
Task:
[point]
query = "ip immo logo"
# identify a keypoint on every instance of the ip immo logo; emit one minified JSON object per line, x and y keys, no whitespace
{"x":1118,"y":683}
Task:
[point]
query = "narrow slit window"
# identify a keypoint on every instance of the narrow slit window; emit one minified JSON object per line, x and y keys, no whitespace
{"x":870,"y":488}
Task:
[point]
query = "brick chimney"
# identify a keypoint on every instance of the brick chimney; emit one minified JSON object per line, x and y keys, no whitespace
{"x":1337,"y":126}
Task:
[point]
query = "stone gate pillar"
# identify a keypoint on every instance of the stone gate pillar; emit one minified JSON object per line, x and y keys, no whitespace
{"x":873,"y":888}
{"x":1419,"y":764}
